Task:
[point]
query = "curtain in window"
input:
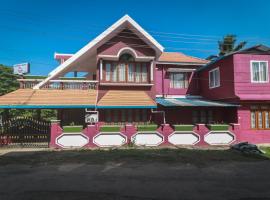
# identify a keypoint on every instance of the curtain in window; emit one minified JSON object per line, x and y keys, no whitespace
{"x":122,"y":72}
{"x":216,"y":77}
{"x":144,"y":73}
{"x":256,"y":71}
{"x":178,"y":80}
{"x":108,"y":72}
{"x":266,"y":117}
{"x":114,"y":73}
{"x":263,"y":71}
{"x":260,"y":120}
{"x":138,"y":73}
{"x":253,"y":119}
{"x":131,"y":73}
{"x":212,"y":79}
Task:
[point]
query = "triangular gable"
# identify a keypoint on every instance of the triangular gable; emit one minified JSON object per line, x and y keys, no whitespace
{"x":99,"y":40}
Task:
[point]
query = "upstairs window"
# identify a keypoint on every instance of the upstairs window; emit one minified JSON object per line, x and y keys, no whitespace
{"x":214,"y":78}
{"x":126,"y":72}
{"x":178,"y":80}
{"x":259,"y":71}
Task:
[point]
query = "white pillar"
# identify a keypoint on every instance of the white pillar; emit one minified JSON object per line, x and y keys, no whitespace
{"x":100,"y":70}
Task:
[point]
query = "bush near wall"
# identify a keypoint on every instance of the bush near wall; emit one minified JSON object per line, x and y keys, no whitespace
{"x":218,"y":127}
{"x":113,"y":128}
{"x":183,"y":127}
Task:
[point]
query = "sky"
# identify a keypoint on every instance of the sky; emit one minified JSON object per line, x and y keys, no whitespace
{"x":32,"y":31}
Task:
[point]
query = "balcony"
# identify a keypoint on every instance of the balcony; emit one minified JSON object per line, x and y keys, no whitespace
{"x":68,"y":84}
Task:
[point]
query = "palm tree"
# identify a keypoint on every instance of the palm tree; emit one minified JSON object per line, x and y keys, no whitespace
{"x":227,"y":45}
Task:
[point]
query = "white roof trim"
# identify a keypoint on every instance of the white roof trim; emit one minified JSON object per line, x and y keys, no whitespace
{"x":95,"y":41}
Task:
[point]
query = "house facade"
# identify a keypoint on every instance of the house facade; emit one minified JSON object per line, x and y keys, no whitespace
{"x":130,"y":80}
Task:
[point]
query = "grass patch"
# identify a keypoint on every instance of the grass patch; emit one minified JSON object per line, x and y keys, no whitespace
{"x":218,"y":127}
{"x":150,"y":127}
{"x":72,"y":129}
{"x":184,"y":127}
{"x":129,"y":156}
{"x":110,"y":129}
{"x":266,"y":150}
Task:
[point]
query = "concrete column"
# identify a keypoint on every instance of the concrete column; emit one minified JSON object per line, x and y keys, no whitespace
{"x":56,"y":130}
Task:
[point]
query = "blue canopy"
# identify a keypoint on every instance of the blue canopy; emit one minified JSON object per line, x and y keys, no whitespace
{"x":186,"y":102}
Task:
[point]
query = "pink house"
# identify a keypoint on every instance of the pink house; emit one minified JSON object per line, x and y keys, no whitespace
{"x":131,"y":81}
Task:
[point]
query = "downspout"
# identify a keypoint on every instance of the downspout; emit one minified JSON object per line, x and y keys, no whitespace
{"x":159,"y":111}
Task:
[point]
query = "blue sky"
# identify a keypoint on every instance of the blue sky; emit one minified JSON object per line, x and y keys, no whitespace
{"x":31,"y":31}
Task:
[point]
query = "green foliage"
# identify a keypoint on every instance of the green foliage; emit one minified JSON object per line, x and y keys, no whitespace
{"x":147,"y":127}
{"x":8,"y":81}
{"x":48,"y":114}
{"x":228,"y":45}
{"x":72,"y":129}
{"x":218,"y":127}
{"x":109,"y":128}
{"x":183,"y":127}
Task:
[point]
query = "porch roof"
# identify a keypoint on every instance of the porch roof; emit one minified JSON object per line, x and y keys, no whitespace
{"x":31,"y":99}
{"x":191,"y":102}
{"x":126,"y":99}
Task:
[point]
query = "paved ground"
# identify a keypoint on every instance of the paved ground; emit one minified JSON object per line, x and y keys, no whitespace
{"x":135,"y":174}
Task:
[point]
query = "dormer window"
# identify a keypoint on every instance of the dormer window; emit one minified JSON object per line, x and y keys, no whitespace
{"x":126,"y":57}
{"x":259,"y":71}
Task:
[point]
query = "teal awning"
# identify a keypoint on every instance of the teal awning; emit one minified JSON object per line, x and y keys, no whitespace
{"x":190,"y":102}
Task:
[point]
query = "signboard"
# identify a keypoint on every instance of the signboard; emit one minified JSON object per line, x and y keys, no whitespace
{"x":22,"y":68}
{"x":91,"y":118}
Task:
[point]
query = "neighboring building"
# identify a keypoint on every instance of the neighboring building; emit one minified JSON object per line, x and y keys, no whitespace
{"x":129,"y":78}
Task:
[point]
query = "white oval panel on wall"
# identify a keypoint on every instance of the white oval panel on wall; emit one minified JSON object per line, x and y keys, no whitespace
{"x":219,"y":138}
{"x":72,"y":140}
{"x":147,"y":139}
{"x":183,"y":138}
{"x":109,"y":139}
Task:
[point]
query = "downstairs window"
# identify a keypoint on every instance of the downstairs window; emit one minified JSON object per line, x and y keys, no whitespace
{"x":259,"y":117}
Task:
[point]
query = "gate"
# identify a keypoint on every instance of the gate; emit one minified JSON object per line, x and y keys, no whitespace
{"x":25,"y":132}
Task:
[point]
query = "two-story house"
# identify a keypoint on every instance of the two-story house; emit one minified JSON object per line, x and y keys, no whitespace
{"x":129,"y":78}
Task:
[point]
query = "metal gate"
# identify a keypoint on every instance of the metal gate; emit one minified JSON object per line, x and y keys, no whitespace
{"x":24,"y":132}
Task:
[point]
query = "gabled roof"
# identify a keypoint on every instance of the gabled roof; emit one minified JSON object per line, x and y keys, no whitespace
{"x":176,"y":57}
{"x":99,"y":40}
{"x":257,"y":49}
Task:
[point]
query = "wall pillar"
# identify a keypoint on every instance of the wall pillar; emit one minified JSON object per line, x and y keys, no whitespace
{"x":165,"y":130}
{"x":129,"y":130}
{"x":56,"y":130}
{"x":201,"y":130}
{"x":91,"y":131}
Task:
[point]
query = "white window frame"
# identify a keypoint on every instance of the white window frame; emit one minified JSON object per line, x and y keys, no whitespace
{"x":185,"y":83}
{"x":214,"y":86}
{"x":251,"y":71}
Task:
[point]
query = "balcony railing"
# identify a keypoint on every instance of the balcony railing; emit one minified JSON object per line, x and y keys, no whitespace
{"x":60,"y":84}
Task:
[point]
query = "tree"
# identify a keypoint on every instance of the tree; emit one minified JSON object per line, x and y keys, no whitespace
{"x":227,"y":45}
{"x":8,"y":81}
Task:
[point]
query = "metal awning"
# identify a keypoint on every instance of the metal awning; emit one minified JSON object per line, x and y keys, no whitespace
{"x":190,"y":102}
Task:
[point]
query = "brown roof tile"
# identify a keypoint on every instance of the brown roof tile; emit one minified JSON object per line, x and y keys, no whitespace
{"x":126,"y":98}
{"x":180,"y":57}
{"x":49,"y":97}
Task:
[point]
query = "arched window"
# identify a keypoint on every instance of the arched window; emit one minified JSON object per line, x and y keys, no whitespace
{"x":126,"y":57}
